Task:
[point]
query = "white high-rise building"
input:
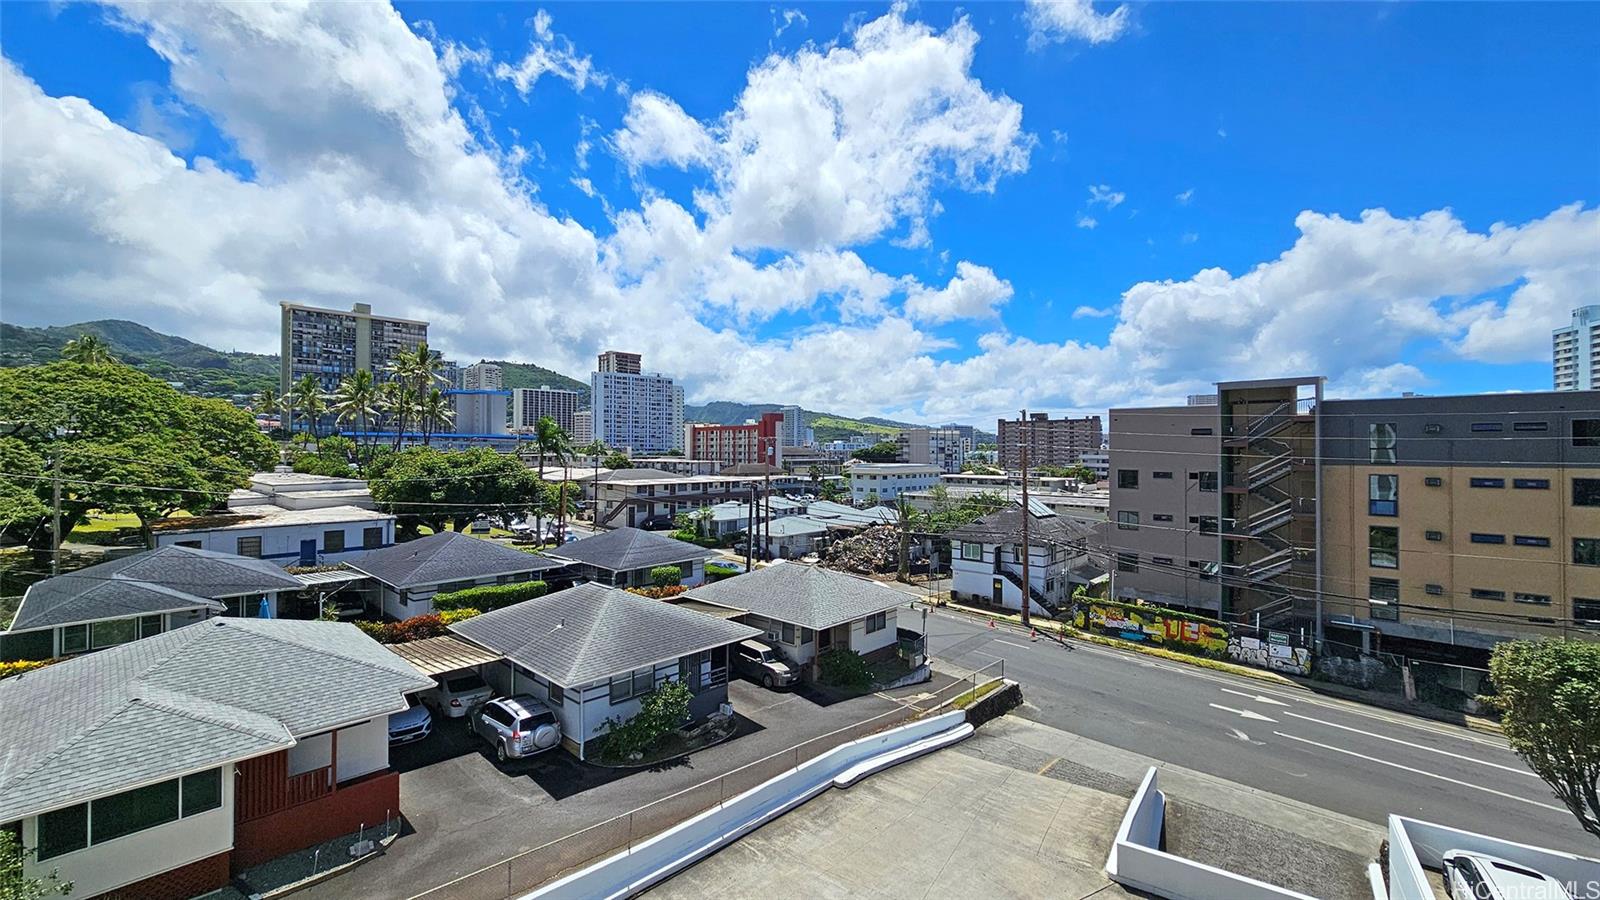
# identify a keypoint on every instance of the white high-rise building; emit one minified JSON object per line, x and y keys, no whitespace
{"x":582,"y":428}
{"x":635,"y":411}
{"x":793,"y":431}
{"x":479,"y":411}
{"x":482,"y":377}
{"x":1573,"y":351}
{"x":529,"y":405}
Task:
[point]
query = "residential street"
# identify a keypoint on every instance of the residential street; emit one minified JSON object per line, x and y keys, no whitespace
{"x":1329,"y":753}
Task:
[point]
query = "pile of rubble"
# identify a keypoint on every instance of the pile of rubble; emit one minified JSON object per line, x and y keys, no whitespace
{"x":870,"y":552}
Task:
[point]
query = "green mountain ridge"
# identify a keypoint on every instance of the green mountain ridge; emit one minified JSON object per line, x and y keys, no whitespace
{"x":215,"y":373}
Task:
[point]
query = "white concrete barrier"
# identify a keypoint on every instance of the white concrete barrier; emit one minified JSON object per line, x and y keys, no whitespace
{"x":1415,"y":844}
{"x":634,"y":870}
{"x":1137,"y":860}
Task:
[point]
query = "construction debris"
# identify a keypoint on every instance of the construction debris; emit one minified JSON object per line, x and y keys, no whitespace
{"x":870,"y":552}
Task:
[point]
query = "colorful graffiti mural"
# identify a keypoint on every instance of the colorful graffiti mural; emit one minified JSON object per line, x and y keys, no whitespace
{"x":1269,"y":655}
{"x":1148,"y":625}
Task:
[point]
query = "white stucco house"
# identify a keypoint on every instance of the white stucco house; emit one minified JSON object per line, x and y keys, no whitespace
{"x":986,"y":558}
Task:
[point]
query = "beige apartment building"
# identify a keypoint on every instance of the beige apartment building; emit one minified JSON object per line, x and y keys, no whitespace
{"x":1426,"y":526}
{"x":1050,"y":442}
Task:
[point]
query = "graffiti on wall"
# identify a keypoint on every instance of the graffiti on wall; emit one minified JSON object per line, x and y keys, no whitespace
{"x":1270,"y":655}
{"x":1149,"y":626}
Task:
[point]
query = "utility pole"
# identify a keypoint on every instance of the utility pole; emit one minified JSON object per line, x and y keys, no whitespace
{"x":55,"y":515}
{"x":1027,"y":592}
{"x":766,"y":524}
{"x":750,"y":534}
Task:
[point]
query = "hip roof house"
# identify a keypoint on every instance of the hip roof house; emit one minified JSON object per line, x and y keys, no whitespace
{"x":625,"y":556}
{"x":410,"y":574}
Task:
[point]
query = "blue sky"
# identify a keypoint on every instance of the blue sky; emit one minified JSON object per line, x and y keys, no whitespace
{"x":933,"y":212}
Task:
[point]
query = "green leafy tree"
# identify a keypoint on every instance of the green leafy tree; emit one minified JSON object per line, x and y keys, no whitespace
{"x":617,"y":460}
{"x":424,"y":486}
{"x":1549,"y":702}
{"x":815,"y":475}
{"x":21,"y":507}
{"x":831,"y":490}
{"x":14,"y":885}
{"x":881,"y":452}
{"x":122,"y":441}
{"x":661,"y":712}
{"x":87,"y":350}
{"x":595,"y":451}
{"x":549,"y":440}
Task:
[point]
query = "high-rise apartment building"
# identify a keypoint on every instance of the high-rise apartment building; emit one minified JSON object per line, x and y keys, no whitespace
{"x":620,"y":363}
{"x":632,"y":410}
{"x":942,"y":447}
{"x":479,"y":411}
{"x":529,"y":405}
{"x":582,"y":427}
{"x":794,"y":432}
{"x":1051,"y":442}
{"x":332,"y":344}
{"x":482,"y":377}
{"x":738,"y":445}
{"x":1424,"y":526}
{"x":1575,"y":351}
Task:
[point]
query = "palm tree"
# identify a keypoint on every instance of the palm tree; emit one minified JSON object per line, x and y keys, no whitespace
{"x":392,"y":400}
{"x":549,"y":437}
{"x":269,"y":401}
{"x":434,"y":410}
{"x":903,"y":518}
{"x":309,"y":399}
{"x":356,"y":399}
{"x":87,"y":350}
{"x":594,"y":450}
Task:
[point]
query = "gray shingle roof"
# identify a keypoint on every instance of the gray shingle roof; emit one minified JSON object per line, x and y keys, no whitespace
{"x":809,"y":596}
{"x":607,"y":631}
{"x":198,"y":696}
{"x":626,"y":549}
{"x":446,"y":556}
{"x":162,"y":580}
{"x":1005,"y":527}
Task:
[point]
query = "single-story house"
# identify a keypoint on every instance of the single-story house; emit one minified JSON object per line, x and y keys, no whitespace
{"x":986,"y":558}
{"x":409,"y":574}
{"x":792,"y":537}
{"x":318,"y":535}
{"x":805,"y":610}
{"x":624,"y":557}
{"x":850,"y":517}
{"x":140,"y":596}
{"x":734,"y":516}
{"x":592,"y":651}
{"x":159,"y":768}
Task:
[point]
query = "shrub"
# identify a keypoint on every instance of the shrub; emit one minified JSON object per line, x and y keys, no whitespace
{"x":17,"y":667}
{"x":658,"y":593}
{"x":661,"y":712}
{"x":666,"y":576}
{"x":315,"y":464}
{"x":452,"y":616}
{"x":413,"y":629}
{"x":715,"y":572}
{"x":490,"y":597}
{"x":844,"y":668}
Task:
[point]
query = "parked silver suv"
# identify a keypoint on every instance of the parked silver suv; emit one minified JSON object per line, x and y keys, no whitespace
{"x":760,"y":662}
{"x":518,"y":726}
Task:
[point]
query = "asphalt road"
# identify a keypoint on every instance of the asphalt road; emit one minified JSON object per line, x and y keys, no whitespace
{"x":1341,"y":756}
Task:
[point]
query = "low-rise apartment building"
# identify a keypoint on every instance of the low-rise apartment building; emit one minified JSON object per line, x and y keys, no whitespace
{"x":943,"y":447}
{"x":288,"y":518}
{"x":1430,"y":526}
{"x":634,"y":497}
{"x":737,"y":445}
{"x":871,"y":482}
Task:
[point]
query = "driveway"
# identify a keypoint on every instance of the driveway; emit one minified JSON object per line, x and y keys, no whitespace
{"x":465,"y":811}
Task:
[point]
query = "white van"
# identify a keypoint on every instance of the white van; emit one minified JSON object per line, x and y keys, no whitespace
{"x":1478,"y":876}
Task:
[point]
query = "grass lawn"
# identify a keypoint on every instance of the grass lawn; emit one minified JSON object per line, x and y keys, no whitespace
{"x":103,"y":523}
{"x":968,"y":698}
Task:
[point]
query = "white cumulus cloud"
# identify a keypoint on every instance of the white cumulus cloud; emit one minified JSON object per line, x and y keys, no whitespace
{"x":974,"y":293}
{"x":1058,"y":21}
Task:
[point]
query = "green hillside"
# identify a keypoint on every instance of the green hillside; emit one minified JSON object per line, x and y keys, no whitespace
{"x":528,"y":375}
{"x":828,"y":427}
{"x":202,"y":370}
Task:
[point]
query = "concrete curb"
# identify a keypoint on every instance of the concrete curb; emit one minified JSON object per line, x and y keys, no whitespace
{"x":1471,"y":723}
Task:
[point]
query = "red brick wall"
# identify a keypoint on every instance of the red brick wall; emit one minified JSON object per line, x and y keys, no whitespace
{"x":363,"y":801}
{"x":177,"y":884}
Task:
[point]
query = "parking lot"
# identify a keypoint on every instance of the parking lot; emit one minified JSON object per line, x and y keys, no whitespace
{"x":464,"y":810}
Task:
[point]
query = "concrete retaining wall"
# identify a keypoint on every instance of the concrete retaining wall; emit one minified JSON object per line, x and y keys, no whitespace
{"x":632,"y":871}
{"x":995,"y":704}
{"x":1415,"y":844}
{"x":1137,"y":860}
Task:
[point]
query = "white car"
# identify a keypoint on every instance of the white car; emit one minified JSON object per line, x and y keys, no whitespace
{"x":1479,"y":876}
{"x":452,"y":695}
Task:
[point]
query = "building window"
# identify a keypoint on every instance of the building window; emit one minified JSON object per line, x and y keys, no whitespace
{"x":1584,"y":610}
{"x":1586,"y":551}
{"x":1530,"y":426}
{"x":633,"y":684}
{"x":112,"y":632}
{"x":877,"y":622}
{"x":1433,"y":481}
{"x":1434,"y":589}
{"x":202,"y":792}
{"x":1432,"y":428}
{"x":1161,"y":560}
{"x":1383,"y":547}
{"x":1127,"y":521}
{"x":1165,"y":476}
{"x":63,"y":831}
{"x":333,"y":541}
{"x":192,"y":545}
{"x":1200,"y":431}
{"x":1586,"y":492}
{"x":1586,"y":432}
{"x":1479,"y":537}
{"x":1528,"y":540}
{"x":806,"y":636}
{"x":149,"y":626}
{"x":1482,"y":427}
{"x":1531,"y":484}
{"x":1208,"y":524}
{"x":1208,"y":482}
{"x":1433,"y":535}
{"x":371,"y":538}
{"x":1127,"y":562}
{"x":74,"y":639}
{"x":130,"y":811}
{"x":248,"y":546}
{"x":1381,"y":441}
{"x":1384,"y":597}
{"x":1487,"y":482}
{"x":1535,"y":599}
{"x":971,"y":551}
{"x":1485,"y":594}
{"x":1383,"y":495}
{"x":1161,"y":517}
{"x":1128,"y":479}
{"x":556,"y":694}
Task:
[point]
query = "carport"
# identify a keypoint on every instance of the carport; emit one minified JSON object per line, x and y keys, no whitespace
{"x":447,"y":653}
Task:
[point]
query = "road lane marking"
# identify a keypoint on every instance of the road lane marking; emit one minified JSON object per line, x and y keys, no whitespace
{"x":1482,"y":762}
{"x":1467,"y":784}
{"x":1256,"y":697}
{"x":1240,"y":735}
{"x":1246,"y":713}
{"x":1009,"y":644}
